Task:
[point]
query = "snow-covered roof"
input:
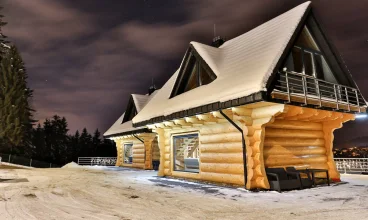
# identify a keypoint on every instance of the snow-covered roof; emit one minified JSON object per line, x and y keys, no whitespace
{"x":119,"y":128}
{"x":242,"y":65}
{"x":140,"y":101}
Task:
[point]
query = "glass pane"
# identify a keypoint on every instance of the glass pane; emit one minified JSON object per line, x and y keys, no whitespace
{"x":319,"y":67}
{"x":294,"y":62}
{"x":128,"y":153}
{"x":306,"y":40}
{"x":193,"y":78}
{"x":323,"y":70}
{"x":308,"y":64}
{"x":132,"y":113}
{"x":205,"y":75}
{"x":186,"y":152}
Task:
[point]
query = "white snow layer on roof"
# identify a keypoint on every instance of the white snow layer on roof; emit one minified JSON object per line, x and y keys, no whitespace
{"x":140,"y":102}
{"x":242,"y":66}
{"x":119,"y":127}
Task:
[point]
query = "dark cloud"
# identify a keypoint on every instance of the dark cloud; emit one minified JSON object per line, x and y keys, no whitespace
{"x":85,"y":57}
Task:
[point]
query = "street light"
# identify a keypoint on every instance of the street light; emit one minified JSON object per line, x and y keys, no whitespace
{"x":360,"y":116}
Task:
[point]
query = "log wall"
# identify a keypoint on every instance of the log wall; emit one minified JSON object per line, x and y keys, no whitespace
{"x":276,"y":135}
{"x":138,"y":152}
{"x":303,"y":138}
{"x":220,"y":153}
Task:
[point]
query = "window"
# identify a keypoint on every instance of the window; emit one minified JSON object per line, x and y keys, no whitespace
{"x":186,"y":153}
{"x":294,"y":61}
{"x":193,"y":73}
{"x":306,"y":40}
{"x":306,"y":58}
{"x":130,"y":112}
{"x":128,"y":153}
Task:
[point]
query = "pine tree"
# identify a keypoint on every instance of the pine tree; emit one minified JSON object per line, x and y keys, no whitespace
{"x":85,"y":143}
{"x":56,"y":139}
{"x":74,"y":147}
{"x":96,"y":141}
{"x":15,"y":112}
{"x":3,"y":41}
{"x":107,"y":148}
{"x":38,"y":141}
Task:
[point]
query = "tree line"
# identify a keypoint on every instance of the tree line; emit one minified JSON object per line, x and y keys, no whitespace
{"x":18,"y":133}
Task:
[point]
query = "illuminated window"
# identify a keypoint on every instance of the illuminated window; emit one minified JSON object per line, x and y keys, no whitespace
{"x":193,"y":73}
{"x":186,"y":153}
{"x":128,"y":153}
{"x":306,"y":58}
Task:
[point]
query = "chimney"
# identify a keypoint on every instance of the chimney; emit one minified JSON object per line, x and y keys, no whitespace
{"x":151,"y":89}
{"x":217,"y":41}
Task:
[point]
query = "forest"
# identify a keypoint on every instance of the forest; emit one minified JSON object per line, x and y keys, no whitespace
{"x":20,"y":132}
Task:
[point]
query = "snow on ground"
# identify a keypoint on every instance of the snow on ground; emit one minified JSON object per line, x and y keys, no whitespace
{"x":122,"y":193}
{"x":71,"y":165}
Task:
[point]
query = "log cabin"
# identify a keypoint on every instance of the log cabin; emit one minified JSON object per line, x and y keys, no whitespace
{"x":136,"y":146}
{"x":271,"y":97}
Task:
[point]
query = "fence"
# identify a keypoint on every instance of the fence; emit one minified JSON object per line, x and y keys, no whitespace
{"x":99,"y":161}
{"x":29,"y":162}
{"x":352,"y":165}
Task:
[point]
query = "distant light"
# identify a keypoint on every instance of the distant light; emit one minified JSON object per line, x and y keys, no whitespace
{"x":357,"y":116}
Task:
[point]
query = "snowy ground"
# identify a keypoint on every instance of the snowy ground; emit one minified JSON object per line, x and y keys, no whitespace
{"x":118,"y":193}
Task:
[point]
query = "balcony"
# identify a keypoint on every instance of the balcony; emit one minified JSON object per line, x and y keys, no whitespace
{"x":305,"y":90}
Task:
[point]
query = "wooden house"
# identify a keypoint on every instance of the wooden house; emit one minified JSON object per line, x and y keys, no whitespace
{"x":271,"y":97}
{"x":136,"y":146}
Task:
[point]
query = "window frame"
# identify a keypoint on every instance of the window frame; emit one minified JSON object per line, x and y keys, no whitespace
{"x":173,"y":148}
{"x":125,"y":144}
{"x":184,"y":75}
{"x":130,"y":112}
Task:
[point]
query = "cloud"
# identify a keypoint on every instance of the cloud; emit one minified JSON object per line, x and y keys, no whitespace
{"x":84,"y":61}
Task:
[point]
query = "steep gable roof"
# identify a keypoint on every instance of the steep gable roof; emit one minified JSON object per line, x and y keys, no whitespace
{"x":120,"y":128}
{"x":242,"y":65}
{"x":140,"y":101}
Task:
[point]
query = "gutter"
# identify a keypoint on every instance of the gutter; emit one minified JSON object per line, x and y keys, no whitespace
{"x":142,"y":130}
{"x":134,"y":135}
{"x":243,"y":145}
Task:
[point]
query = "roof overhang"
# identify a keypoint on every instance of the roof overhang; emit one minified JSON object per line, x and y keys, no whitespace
{"x":132,"y":132}
{"x":255,"y":97}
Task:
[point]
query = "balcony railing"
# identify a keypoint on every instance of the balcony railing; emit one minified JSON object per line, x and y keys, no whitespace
{"x":308,"y":90}
{"x":352,"y":165}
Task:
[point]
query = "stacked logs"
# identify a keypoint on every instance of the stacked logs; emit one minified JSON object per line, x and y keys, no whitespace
{"x":299,"y":144}
{"x":138,"y":155}
{"x":221,"y":154}
{"x":276,"y":135}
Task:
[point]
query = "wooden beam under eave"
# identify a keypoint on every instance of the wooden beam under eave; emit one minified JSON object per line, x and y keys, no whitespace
{"x":241,"y":111}
{"x":182,"y":122}
{"x":171,"y":124}
{"x":227,"y":112}
{"x":207,"y":118}
{"x":160,"y":125}
{"x":194,"y":121}
{"x":321,"y":116}
{"x":152,"y":127}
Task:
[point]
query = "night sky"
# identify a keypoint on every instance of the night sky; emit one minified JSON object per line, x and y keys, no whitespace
{"x":85,"y":57}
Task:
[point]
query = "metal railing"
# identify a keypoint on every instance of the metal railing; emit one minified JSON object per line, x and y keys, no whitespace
{"x":97,"y":161}
{"x":295,"y":84}
{"x":29,"y":162}
{"x":352,"y":165}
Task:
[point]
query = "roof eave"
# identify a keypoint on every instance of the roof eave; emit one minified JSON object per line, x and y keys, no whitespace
{"x":255,"y":97}
{"x":138,"y":131}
